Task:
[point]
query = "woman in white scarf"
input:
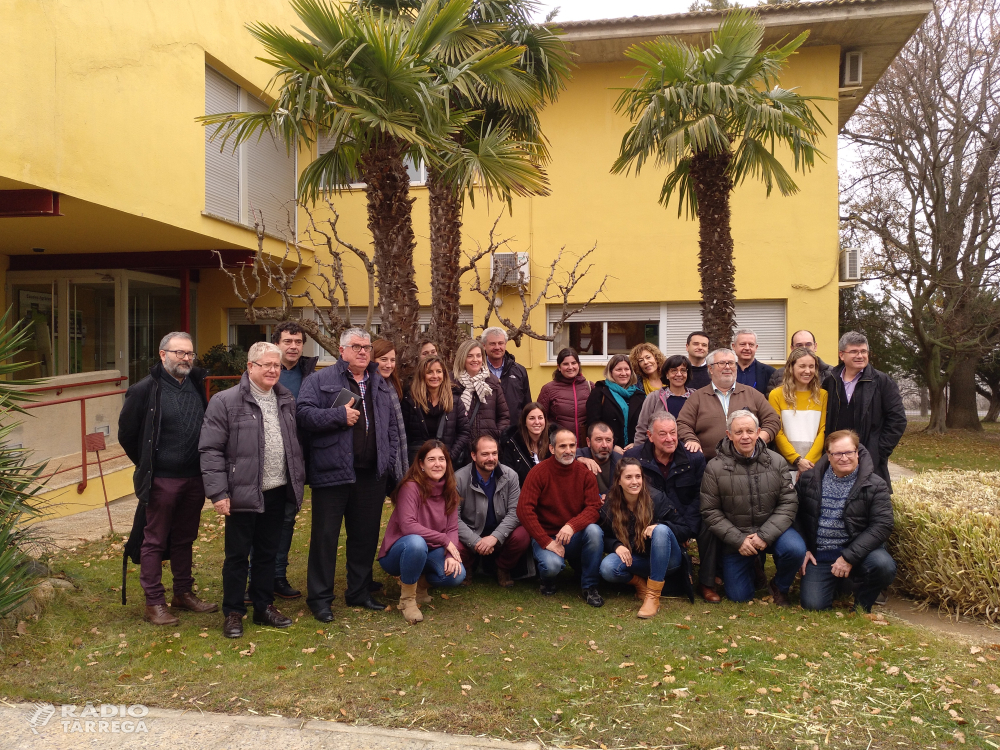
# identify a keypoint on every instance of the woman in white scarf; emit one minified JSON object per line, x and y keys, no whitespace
{"x":480,"y":392}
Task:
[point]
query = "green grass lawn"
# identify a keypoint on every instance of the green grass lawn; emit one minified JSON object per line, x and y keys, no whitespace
{"x":956,"y":449}
{"x":515,"y":665}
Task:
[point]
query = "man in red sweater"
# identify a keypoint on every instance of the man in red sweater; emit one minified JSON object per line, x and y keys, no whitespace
{"x":559,"y":508}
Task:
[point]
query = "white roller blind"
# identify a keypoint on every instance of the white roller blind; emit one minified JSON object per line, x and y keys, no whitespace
{"x":270,"y":179}
{"x":604,"y":312}
{"x":222,"y":168}
{"x":767,"y":319}
{"x":682,"y":319}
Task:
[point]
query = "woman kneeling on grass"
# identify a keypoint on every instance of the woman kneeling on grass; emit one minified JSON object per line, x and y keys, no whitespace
{"x":644,"y":550}
{"x":421,"y":540}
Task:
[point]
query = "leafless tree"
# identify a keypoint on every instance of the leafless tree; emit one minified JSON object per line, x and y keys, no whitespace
{"x":923,"y":196}
{"x":492,"y":290}
{"x":322,"y":287}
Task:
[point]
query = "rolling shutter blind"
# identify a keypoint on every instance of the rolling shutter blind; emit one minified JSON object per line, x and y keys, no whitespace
{"x":767,"y":319}
{"x":222,"y":168}
{"x":270,"y":180}
{"x":649,"y":312}
{"x":682,"y":319}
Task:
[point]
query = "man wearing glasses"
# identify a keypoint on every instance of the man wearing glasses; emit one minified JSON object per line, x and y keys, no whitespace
{"x":351,"y":449}
{"x":158,"y":428}
{"x":845,"y":518}
{"x":701,"y":426}
{"x":865,"y":400}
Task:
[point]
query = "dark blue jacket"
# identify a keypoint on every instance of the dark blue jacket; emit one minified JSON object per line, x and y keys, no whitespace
{"x":681,"y":486}
{"x":330,"y":439}
{"x":758,"y":375}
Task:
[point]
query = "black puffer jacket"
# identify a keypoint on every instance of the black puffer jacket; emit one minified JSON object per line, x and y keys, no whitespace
{"x":455,"y":433}
{"x":516,"y":388}
{"x":232,"y":448}
{"x":867,"y":514}
{"x":514,"y":454}
{"x":492,"y":417}
{"x":602,"y":407}
{"x":742,"y":496}
{"x":139,"y":424}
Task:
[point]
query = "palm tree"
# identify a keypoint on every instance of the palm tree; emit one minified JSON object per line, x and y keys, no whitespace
{"x":363,"y":78}
{"x":713,"y":117}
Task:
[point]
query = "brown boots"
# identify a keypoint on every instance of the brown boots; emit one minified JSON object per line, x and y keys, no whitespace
{"x":640,"y":587}
{"x":408,"y":603}
{"x":423,"y":597}
{"x":651,"y":604}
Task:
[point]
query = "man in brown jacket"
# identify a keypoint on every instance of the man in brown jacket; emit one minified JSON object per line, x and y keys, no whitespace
{"x":701,"y":425}
{"x":702,"y":422}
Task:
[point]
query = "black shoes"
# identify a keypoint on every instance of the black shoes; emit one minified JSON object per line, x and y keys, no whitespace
{"x":271,"y":617}
{"x":547,"y":588}
{"x":375,"y":586}
{"x":592,"y":596}
{"x":284,"y":589}
{"x":324,"y":615}
{"x":233,"y":625}
{"x":369,"y":603}
{"x":246,"y":596}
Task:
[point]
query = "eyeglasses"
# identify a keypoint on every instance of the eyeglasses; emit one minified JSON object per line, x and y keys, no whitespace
{"x":268,"y":368}
{"x":181,"y":354}
{"x":358,"y":348}
{"x":724,"y":365}
{"x":843,"y":454}
{"x":855,"y":352}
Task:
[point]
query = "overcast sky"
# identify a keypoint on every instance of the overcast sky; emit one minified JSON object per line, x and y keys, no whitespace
{"x":582,"y":10}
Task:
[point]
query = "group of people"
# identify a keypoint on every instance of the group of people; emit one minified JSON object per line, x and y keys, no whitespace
{"x":614,"y":478}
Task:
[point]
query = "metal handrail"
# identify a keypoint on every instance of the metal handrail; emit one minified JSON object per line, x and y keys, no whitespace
{"x":60,"y":388}
{"x":210,"y":378}
{"x":83,"y":421}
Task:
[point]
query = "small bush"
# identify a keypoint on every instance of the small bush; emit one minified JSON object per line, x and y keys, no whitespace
{"x":947,"y":540}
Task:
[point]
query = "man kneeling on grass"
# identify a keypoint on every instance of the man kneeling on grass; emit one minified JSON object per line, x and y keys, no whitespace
{"x":560,"y":507}
{"x":252,"y":465}
{"x":487,"y":517}
{"x":845,"y":517}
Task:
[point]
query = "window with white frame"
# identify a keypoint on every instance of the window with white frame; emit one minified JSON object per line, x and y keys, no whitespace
{"x":417,"y":170}
{"x":258,"y":179}
{"x":603,"y":330}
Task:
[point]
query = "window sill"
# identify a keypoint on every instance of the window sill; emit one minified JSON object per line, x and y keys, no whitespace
{"x":239,"y":225}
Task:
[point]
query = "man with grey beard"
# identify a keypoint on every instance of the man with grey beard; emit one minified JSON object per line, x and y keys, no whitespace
{"x":158,"y":428}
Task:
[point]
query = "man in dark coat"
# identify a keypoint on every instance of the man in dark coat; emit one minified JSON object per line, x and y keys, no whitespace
{"x":750,"y":371}
{"x":158,"y":428}
{"x":801,"y":340}
{"x":252,"y":465}
{"x":289,"y":338}
{"x":865,"y":400}
{"x":845,"y":518}
{"x":512,"y":376}
{"x":351,"y":449}
{"x":600,"y":455}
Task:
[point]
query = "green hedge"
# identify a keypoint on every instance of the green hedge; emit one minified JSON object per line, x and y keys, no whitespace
{"x":947,"y":540}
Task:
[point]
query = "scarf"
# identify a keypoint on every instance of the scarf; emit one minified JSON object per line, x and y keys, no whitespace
{"x":621,"y":397}
{"x":474,"y":384}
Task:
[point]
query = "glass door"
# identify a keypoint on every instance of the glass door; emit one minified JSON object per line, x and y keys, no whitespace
{"x":92,"y":326}
{"x":153,"y":312}
{"x":37,"y":305}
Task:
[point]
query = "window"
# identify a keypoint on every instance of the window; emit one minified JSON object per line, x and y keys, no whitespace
{"x":602,"y":331}
{"x":765,"y":317}
{"x":256,"y":181}
{"x":416,"y":170}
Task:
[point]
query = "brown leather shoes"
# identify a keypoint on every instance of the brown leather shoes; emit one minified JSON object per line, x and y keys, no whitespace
{"x":780,"y":597}
{"x":709,"y":595}
{"x":233,"y":626}
{"x":192,"y":603}
{"x":503,"y":578}
{"x":158,"y":614}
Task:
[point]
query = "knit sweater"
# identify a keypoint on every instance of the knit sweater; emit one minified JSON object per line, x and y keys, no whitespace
{"x":554,"y":495}
{"x":425,"y":517}
{"x":275,"y":472}
{"x":831,"y":535}
{"x":181,"y":413}
{"x":803,"y":427}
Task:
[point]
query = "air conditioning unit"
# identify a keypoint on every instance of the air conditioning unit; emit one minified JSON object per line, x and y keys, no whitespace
{"x":510,"y":269}
{"x":852,"y":69}
{"x":850,"y":264}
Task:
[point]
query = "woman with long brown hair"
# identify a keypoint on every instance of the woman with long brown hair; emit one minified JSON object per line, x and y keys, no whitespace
{"x":431,"y":411}
{"x":527,"y":442}
{"x":384,"y":357}
{"x":643,"y":548}
{"x":801,"y":404}
{"x":421,"y":544}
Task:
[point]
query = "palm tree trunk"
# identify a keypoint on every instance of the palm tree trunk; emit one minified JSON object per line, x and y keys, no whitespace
{"x":446,"y":258}
{"x":387,"y":186}
{"x":715,"y":247}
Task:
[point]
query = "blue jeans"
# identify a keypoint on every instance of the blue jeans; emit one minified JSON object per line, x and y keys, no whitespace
{"x":820,"y":586}
{"x":584,"y":553}
{"x":738,"y":570}
{"x":409,"y":559}
{"x":664,"y":557}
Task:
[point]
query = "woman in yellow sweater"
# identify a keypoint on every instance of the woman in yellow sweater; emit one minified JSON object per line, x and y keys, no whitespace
{"x":801,"y":403}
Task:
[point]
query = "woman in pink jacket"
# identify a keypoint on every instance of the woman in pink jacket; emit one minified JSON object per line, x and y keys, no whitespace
{"x":564,"y":398}
{"x":421,"y":540}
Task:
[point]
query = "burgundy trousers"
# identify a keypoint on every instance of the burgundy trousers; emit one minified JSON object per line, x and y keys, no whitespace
{"x":172,"y":516}
{"x":504,"y":555}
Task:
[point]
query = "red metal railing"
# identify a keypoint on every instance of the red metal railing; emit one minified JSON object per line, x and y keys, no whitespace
{"x":83,"y":414}
{"x":210,"y":378}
